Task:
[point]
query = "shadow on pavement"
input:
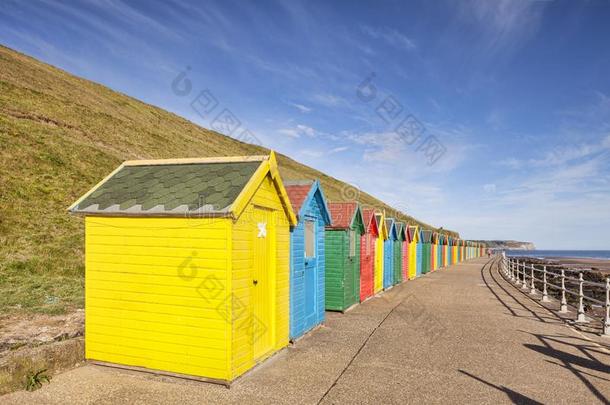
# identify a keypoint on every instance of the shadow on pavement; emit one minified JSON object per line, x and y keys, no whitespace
{"x":488,"y":267}
{"x":571,"y":361}
{"x":514,"y":396}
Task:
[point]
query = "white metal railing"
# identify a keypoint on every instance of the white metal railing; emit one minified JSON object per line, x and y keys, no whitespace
{"x":526,"y":276}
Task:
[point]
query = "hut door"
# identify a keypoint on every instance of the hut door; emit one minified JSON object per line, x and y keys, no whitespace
{"x":352,"y":282}
{"x":263,"y":229}
{"x":310,"y":271}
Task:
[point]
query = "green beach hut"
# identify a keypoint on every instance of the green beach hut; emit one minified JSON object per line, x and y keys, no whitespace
{"x":399,"y":252}
{"x":342,"y":246}
{"x":426,"y":248}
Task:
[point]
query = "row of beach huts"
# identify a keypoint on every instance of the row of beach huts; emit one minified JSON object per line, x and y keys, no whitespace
{"x":206,"y":267}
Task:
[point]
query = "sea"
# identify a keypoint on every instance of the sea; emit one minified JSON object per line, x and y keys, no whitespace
{"x":579,"y":254}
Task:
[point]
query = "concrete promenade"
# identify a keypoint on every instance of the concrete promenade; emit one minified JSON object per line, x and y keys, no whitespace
{"x":458,"y":335}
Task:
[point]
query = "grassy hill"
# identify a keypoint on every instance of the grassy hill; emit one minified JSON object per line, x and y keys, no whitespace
{"x":60,"y":135}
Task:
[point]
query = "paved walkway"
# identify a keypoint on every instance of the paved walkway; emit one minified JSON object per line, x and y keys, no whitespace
{"x":459,"y":335}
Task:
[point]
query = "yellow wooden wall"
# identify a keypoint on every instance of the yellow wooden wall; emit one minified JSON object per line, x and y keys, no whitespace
{"x":378,"y":276}
{"x":379,"y":254}
{"x":148,"y":299}
{"x":413,"y":255}
{"x":412,"y":260}
{"x":242,"y":353}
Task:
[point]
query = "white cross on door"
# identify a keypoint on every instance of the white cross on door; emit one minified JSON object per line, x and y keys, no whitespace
{"x":262,"y":230}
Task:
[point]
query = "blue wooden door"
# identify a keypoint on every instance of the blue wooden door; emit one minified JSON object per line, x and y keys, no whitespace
{"x":388,"y":263}
{"x":311,"y":270}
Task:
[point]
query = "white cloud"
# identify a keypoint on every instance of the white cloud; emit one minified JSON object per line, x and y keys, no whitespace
{"x":316,"y":153}
{"x":312,"y":153}
{"x":290,"y":132}
{"x":301,"y":107}
{"x":495,"y":119}
{"x":504,"y":24}
{"x":384,"y":154}
{"x":489,"y":188}
{"x":512,"y":163}
{"x":560,"y":156}
{"x":329,"y":100}
{"x":298,"y":130}
{"x":389,"y":147}
{"x":391,"y":36}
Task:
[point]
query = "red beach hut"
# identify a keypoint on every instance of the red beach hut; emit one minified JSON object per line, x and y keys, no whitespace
{"x":367,"y":254}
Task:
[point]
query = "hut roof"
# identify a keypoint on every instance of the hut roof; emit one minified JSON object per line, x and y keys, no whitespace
{"x":381,"y":223}
{"x":181,"y":187}
{"x":413,"y":234}
{"x":343,"y":214}
{"x":301,"y":192}
{"x":370,"y":221}
{"x":401,"y":230}
{"x":391,"y":227}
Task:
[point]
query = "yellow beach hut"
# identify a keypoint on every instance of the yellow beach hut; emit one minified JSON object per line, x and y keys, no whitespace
{"x":379,"y":251}
{"x":187,"y":265}
{"x":413,"y":241}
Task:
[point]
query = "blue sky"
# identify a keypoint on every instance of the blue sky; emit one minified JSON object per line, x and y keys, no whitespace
{"x":510,"y":99}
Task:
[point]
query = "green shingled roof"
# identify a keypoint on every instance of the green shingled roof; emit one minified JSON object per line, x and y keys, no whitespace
{"x":170,"y":188}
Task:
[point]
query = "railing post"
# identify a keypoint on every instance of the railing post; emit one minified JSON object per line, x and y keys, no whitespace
{"x":532,"y":285}
{"x":581,"y":318}
{"x":564,"y":303}
{"x":545,"y":296}
{"x":518,"y":279}
{"x":524,"y":285}
{"x":607,"y":320}
{"x":513,"y":271}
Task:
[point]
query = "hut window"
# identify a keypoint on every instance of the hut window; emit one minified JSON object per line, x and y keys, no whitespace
{"x":310,"y":238}
{"x":352,"y":243}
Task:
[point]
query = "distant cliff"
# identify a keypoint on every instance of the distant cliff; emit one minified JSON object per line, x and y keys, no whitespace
{"x":509,"y":244}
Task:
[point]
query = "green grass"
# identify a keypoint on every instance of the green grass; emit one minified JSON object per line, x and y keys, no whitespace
{"x":32,"y":286}
{"x":59,"y":136}
{"x":34,"y":380}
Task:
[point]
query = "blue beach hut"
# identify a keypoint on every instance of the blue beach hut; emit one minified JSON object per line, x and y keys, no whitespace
{"x":388,"y":253}
{"x":307,"y":261}
{"x":420,"y":251}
